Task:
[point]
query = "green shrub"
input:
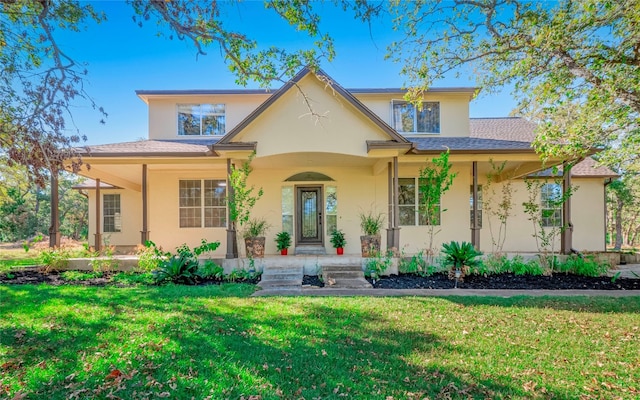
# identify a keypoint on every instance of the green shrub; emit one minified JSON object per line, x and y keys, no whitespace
{"x":179,"y":268}
{"x":586,"y":266}
{"x":182,"y":267}
{"x":54,"y":259}
{"x":79,"y":276}
{"x":378,"y":264}
{"x":149,"y":257}
{"x":211,"y":270}
{"x":458,"y":254}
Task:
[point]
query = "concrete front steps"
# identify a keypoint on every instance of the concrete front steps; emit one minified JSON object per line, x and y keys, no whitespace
{"x":344,"y":277}
{"x":281,"y":278}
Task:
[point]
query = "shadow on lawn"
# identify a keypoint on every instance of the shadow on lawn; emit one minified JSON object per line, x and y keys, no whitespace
{"x":599,"y":304}
{"x":186,"y":343}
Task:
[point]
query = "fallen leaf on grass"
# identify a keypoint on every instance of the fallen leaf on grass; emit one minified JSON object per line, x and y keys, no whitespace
{"x":115,"y":374}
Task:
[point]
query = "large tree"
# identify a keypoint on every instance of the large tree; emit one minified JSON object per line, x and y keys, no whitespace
{"x":574,"y":65}
{"x":39,"y":82}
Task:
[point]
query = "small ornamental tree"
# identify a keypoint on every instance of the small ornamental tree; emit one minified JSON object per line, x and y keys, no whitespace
{"x":545,"y":234}
{"x":435,"y":180}
{"x":497,"y":204}
{"x":242,"y":197}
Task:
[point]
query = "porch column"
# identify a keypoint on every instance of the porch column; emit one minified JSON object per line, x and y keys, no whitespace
{"x":144,"y":233}
{"x":566,"y":237}
{"x":54,"y":228}
{"x":390,"y":230}
{"x":396,"y":207}
{"x":232,"y":244}
{"x":475,"y":227}
{"x":98,"y":235}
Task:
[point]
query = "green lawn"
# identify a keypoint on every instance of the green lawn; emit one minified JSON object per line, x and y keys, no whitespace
{"x":215,"y":342}
{"x":11,"y":258}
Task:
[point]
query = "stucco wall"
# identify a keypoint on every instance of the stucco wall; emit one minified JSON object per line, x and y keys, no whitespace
{"x":454,"y":110}
{"x":358,"y":190}
{"x":163,"y":113}
{"x":131,"y":210}
{"x":332,"y":125}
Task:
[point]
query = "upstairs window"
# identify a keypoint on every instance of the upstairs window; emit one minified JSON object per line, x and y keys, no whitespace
{"x":408,"y":118}
{"x":201,"y":119}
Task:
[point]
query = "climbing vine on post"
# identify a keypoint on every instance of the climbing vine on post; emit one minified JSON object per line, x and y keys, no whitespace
{"x":435,"y":180}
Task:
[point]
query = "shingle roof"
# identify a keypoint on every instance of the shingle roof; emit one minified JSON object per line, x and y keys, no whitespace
{"x":469,"y":144}
{"x":159,"y":148}
{"x":520,"y":130}
{"x":511,"y":129}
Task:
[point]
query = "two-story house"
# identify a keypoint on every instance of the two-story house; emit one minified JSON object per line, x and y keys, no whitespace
{"x":323,"y":156}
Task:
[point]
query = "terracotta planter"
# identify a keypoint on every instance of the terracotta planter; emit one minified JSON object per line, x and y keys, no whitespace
{"x":284,"y":252}
{"x":370,"y":245}
{"x":339,"y":251}
{"x":255,"y":246}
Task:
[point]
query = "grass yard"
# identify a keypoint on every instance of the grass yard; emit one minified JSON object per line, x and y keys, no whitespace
{"x":215,"y":342}
{"x":12,"y":258}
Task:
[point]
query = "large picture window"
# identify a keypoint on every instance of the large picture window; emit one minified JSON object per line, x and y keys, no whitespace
{"x":202,"y":203}
{"x":409,"y":204}
{"x":201,"y":119}
{"x":551,"y":204}
{"x":112,"y":218}
{"x":411,"y":119}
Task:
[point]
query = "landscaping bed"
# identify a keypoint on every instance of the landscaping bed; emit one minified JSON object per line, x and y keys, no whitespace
{"x":34,"y":276}
{"x":559,"y":281}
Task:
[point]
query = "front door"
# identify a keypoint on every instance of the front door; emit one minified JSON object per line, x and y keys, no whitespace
{"x":309,"y":215}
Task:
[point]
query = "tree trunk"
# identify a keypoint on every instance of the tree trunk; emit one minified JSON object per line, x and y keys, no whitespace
{"x":619,"y":207}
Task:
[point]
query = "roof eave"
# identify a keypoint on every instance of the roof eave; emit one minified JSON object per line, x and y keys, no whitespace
{"x":220,"y":148}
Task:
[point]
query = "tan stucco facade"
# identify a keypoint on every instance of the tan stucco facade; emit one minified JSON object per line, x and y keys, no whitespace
{"x":311,"y":128}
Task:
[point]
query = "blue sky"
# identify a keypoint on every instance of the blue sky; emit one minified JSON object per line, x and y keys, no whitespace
{"x":122,"y":57}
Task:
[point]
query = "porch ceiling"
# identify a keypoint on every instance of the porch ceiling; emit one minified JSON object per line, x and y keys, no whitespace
{"x":129,"y":176}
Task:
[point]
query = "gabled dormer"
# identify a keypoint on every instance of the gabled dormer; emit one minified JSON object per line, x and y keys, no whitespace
{"x":444,"y":111}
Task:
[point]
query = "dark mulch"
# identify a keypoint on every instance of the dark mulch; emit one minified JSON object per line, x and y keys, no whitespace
{"x":507,"y":281}
{"x":34,"y":277}
{"x":401,"y":281}
{"x":312,"y":280}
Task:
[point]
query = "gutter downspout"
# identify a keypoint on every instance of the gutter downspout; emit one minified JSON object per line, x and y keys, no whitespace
{"x":607,"y":182}
{"x":98,"y":235}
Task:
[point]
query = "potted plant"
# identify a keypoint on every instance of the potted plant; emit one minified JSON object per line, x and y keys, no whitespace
{"x":371,"y":225}
{"x":253,"y":234}
{"x":338,"y":241}
{"x":283,"y":241}
{"x":461,"y":257}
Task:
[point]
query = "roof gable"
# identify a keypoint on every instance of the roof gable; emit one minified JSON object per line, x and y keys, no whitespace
{"x":308,"y":111}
